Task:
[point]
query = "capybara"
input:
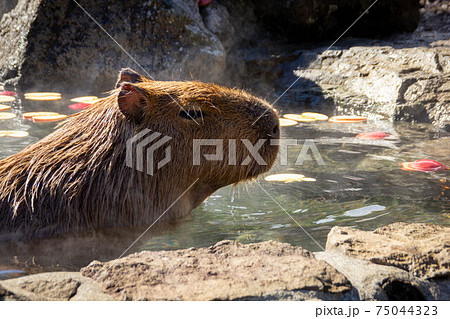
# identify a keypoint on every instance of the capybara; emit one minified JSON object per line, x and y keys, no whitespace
{"x":77,"y":178}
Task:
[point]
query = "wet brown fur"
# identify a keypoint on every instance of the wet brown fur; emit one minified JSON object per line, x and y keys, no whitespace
{"x":76,"y":178}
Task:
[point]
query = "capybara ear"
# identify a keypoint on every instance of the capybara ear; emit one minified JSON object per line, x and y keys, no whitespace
{"x":132,"y":101}
{"x":128,"y":75}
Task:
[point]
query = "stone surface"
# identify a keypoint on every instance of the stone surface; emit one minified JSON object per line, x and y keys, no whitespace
{"x":49,"y":44}
{"x":6,"y":295}
{"x":225,"y":271}
{"x":406,"y":83}
{"x":420,"y":249}
{"x":51,"y":286}
{"x":379,"y":282}
{"x":217,"y":20}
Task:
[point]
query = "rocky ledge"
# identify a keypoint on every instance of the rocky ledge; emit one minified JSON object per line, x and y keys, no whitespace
{"x":395,"y":262}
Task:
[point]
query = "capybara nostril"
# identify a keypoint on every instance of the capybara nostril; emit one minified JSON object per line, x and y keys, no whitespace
{"x":276,"y":130}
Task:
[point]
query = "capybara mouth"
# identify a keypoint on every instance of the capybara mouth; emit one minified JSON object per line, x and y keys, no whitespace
{"x":269,"y":153}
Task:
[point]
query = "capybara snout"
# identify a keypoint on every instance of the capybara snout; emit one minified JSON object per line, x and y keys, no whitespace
{"x":80,"y":177}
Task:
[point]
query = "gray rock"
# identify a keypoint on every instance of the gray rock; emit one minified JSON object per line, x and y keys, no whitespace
{"x":51,"y":286}
{"x":379,"y":282}
{"x":420,"y":249}
{"x":6,"y":295}
{"x":49,"y":44}
{"x":225,"y":271}
{"x":406,"y":83}
{"x":217,"y":20}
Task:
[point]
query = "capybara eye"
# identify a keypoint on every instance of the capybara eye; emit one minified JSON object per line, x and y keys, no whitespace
{"x":191,"y":114}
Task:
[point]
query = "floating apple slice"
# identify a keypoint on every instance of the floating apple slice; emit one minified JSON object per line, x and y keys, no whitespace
{"x":13,"y":134}
{"x":287,"y":178}
{"x":43,"y":96}
{"x":315,"y":116}
{"x":7,"y":116}
{"x":298,"y":118}
{"x":30,"y":115}
{"x":6,"y":98}
{"x":49,"y":118}
{"x":79,"y":106}
{"x":286,"y":122}
{"x":4,"y":107}
{"x":85,"y":99}
{"x":372,"y":136}
{"x":347,"y":119}
{"x":423,"y":165}
{"x":8,"y":93}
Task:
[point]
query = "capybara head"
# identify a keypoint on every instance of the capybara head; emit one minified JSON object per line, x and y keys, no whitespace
{"x":151,"y":151}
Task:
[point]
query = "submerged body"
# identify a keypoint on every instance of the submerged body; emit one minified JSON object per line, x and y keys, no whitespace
{"x":77,"y":177}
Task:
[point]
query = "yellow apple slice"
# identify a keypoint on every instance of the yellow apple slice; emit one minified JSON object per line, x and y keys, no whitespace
{"x":6,"y":98}
{"x":287,"y":178}
{"x":287,"y":122}
{"x":49,"y":118}
{"x":43,"y":96}
{"x":316,"y":116}
{"x":7,"y":116}
{"x":13,"y":134}
{"x":298,"y":118}
{"x":4,"y":107}
{"x":30,"y":115}
{"x":85,"y":99}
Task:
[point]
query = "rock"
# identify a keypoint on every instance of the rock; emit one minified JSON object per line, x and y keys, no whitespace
{"x":49,"y":44}
{"x":217,"y":20}
{"x":225,"y":271}
{"x":407,"y":83}
{"x":51,"y":286}
{"x":423,"y":250}
{"x":379,"y":282}
{"x":6,"y":295}
{"x":62,"y":289}
{"x":314,"y":20}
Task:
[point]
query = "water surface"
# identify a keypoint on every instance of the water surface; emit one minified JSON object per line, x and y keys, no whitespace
{"x":360,"y":185}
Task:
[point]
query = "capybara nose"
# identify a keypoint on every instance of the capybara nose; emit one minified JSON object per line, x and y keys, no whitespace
{"x":269,"y":124}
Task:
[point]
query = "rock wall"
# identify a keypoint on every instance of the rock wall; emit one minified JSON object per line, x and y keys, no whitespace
{"x":54,"y":44}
